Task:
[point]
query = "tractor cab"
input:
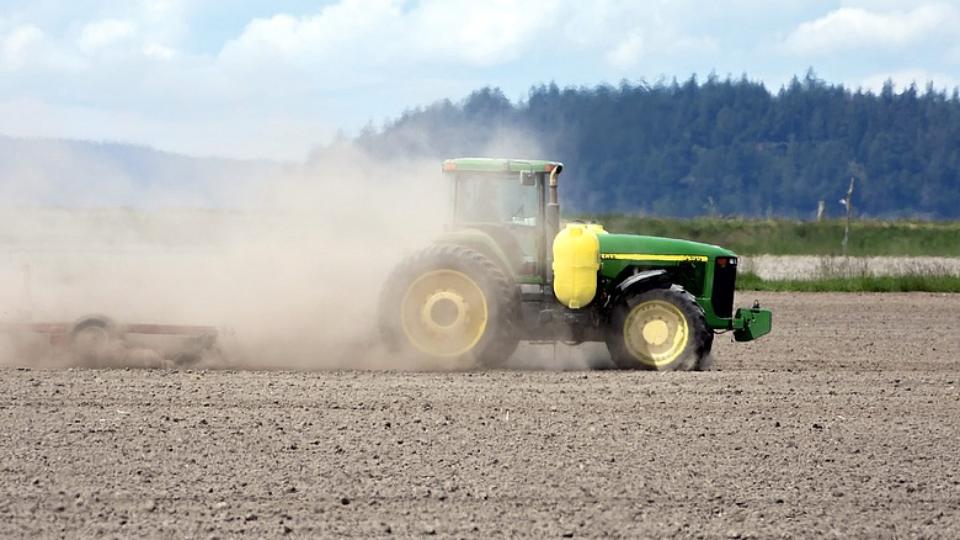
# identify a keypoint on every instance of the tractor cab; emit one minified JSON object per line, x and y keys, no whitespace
{"x":505,"y":201}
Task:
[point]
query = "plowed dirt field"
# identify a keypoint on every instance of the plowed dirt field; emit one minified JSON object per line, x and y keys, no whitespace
{"x":844,"y":421}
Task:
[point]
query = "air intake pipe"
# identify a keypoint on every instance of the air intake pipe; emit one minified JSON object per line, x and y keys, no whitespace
{"x":552,"y":225}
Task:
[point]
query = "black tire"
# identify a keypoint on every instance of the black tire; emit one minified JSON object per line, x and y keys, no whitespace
{"x":694,"y":352}
{"x":497,"y":340}
{"x":91,"y":339}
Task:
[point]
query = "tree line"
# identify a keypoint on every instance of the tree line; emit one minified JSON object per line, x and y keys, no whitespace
{"x":716,"y":147}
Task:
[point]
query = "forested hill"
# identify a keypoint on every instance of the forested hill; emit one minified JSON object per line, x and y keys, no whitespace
{"x":725,"y":147}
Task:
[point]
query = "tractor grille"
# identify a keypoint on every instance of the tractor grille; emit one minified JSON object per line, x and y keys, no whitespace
{"x":724,"y":283}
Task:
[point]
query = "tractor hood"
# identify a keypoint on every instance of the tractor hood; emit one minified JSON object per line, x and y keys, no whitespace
{"x":654,"y":248}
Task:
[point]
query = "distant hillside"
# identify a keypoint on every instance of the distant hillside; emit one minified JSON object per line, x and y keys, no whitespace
{"x":721,"y":147}
{"x":46,"y":172}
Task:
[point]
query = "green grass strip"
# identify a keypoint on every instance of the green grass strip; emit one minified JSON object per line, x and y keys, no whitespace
{"x":906,"y":283}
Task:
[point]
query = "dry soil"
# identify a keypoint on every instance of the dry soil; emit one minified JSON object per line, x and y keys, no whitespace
{"x":844,"y":421}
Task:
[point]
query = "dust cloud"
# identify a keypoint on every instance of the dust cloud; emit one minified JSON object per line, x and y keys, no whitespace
{"x":287,"y":269}
{"x":289,"y":276}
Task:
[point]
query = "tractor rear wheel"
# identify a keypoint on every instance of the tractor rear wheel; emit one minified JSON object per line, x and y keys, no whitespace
{"x":661,"y":329}
{"x":451,"y":305}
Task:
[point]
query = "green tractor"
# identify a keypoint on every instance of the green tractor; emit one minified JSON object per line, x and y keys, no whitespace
{"x":505,"y":271}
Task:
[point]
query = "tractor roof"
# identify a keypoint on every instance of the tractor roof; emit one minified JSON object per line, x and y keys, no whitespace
{"x":500,"y":165}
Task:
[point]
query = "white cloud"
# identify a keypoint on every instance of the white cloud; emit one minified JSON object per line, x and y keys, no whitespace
{"x":161,"y":8}
{"x":482,"y":33}
{"x":638,"y":45}
{"x":379,"y":32}
{"x":96,"y":47}
{"x":953,"y":54}
{"x":158,"y":52}
{"x":19,"y":44}
{"x":631,"y":36}
{"x":105,"y":33}
{"x":627,"y":53}
{"x":853,"y":27}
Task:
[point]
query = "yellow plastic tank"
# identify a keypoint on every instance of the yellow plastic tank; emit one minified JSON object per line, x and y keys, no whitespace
{"x":576,"y":260}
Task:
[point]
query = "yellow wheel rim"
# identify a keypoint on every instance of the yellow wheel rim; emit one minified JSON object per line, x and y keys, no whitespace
{"x":444,"y":313}
{"x":656,"y":333}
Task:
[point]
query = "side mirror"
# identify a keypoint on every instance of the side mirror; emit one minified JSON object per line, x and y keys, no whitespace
{"x":528,"y":178}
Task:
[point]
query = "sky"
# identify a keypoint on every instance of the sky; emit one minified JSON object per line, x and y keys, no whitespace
{"x":273,"y":78}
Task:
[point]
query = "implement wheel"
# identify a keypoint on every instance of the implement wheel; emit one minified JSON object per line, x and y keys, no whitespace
{"x":93,"y":340}
{"x":451,"y":305}
{"x":660,"y":330}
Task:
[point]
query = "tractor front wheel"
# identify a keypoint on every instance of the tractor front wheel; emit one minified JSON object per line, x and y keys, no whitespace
{"x":660,"y":330}
{"x":450,"y":305}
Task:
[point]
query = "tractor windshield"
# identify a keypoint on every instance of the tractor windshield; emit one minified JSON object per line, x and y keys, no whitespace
{"x":496,"y":199}
{"x":502,"y":207}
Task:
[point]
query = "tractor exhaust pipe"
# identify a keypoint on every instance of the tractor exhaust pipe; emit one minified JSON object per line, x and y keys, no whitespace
{"x":552,"y":220}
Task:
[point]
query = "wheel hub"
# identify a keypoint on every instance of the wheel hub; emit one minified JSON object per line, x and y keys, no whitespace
{"x":655,"y":332}
{"x":444,"y":310}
